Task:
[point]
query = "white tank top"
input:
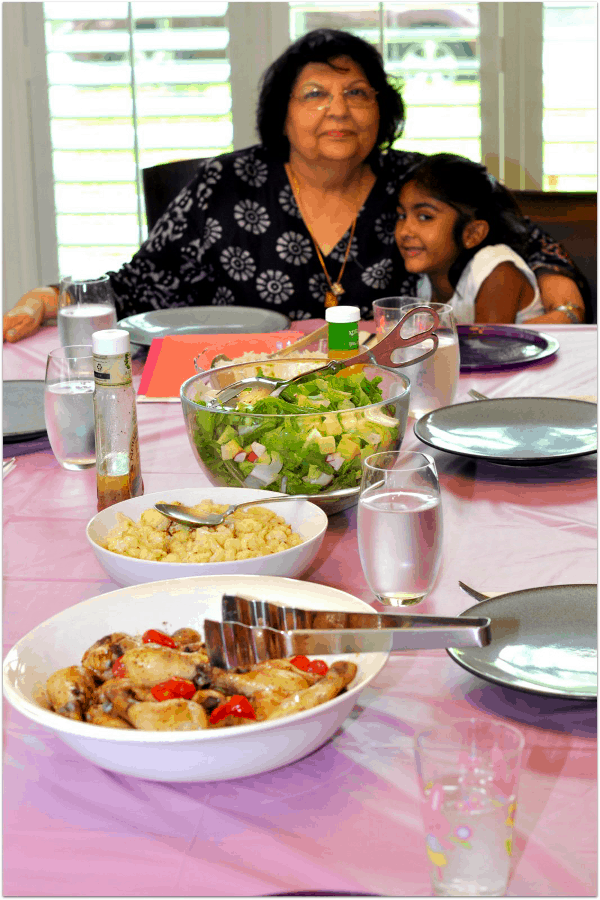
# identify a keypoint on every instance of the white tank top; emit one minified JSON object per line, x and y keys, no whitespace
{"x":474,"y":274}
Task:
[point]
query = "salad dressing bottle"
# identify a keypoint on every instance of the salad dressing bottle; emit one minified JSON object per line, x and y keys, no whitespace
{"x":118,"y":471}
{"x":342,"y":334}
{"x":342,"y":331}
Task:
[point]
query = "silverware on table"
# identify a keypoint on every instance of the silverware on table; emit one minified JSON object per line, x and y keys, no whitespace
{"x":477,"y":396}
{"x":8,"y":465}
{"x":477,"y":595}
{"x":254,"y":631}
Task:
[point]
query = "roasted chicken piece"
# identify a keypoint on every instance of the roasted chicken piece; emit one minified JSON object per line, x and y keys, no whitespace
{"x":339,"y":675}
{"x":169,"y":715}
{"x":70,"y":691}
{"x":97,"y":715}
{"x":150,"y":664}
{"x":264,"y":685}
{"x":100,"y":657}
{"x":187,"y":639}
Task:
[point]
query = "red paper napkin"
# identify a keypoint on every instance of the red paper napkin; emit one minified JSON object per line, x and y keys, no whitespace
{"x":170,"y":359}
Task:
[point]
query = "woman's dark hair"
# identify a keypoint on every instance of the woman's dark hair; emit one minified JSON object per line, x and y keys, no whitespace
{"x":322,"y":46}
{"x":468,"y":187}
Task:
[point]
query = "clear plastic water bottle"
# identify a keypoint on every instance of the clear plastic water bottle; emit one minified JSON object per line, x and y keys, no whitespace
{"x":118,"y":470}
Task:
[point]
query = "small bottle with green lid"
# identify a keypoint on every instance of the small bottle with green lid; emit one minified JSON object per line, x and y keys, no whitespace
{"x":342,"y":331}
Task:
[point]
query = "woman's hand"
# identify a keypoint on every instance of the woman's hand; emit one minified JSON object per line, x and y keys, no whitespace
{"x":34,"y":308}
{"x":558,"y":290}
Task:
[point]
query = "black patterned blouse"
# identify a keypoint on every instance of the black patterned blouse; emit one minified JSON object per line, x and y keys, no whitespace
{"x":234,"y":235}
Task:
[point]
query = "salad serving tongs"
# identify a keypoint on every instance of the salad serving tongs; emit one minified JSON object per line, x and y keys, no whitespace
{"x":379,"y":355}
{"x":254,"y":631}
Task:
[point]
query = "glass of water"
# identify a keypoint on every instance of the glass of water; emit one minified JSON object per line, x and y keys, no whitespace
{"x":434,"y":380}
{"x":69,"y":406}
{"x":468,"y":777}
{"x":400,"y":525}
{"x":85,"y":305}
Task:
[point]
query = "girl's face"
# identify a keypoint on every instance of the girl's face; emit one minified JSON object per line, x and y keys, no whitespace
{"x":425,"y":232}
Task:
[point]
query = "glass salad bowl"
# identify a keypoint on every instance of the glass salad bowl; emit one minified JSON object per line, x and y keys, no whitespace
{"x":311,"y":440}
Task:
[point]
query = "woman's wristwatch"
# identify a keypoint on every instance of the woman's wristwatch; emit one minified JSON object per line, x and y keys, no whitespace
{"x":571,"y":311}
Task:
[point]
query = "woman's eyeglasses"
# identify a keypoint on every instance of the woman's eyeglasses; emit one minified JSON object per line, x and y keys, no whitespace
{"x":315,"y":98}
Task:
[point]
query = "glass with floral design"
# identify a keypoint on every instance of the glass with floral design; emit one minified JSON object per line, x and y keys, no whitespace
{"x":468,"y":776}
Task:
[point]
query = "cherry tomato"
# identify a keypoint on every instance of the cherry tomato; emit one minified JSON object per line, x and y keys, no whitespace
{"x":118,"y":668}
{"x":237,"y":705}
{"x":301,"y":662}
{"x":152,"y":636}
{"x":174,"y":687}
{"x":316,"y":666}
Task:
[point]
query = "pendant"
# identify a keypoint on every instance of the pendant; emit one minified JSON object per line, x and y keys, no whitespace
{"x":337,"y":289}
{"x":330,"y":300}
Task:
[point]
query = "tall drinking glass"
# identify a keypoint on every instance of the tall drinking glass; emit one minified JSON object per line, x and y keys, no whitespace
{"x":85,"y":305}
{"x":69,"y":406}
{"x":468,"y":776}
{"x":433,"y":381}
{"x":400,"y":525}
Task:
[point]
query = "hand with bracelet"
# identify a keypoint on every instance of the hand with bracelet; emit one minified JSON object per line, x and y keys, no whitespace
{"x":33,"y":309}
{"x":562,"y":300}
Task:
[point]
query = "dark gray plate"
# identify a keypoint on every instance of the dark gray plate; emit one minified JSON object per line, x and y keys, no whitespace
{"x":513,"y":431}
{"x":144,"y":327}
{"x":543,"y":640}
{"x":487,"y":347}
{"x":22,"y":411}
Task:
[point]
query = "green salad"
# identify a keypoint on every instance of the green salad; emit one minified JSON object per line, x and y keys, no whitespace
{"x":316,"y":439}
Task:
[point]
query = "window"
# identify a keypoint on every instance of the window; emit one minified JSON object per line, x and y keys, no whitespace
{"x":130,"y":85}
{"x":570,"y":96}
{"x":433,"y":51}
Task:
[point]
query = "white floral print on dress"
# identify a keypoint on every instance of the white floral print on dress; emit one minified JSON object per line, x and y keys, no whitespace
{"x":238,"y":263}
{"x":287,"y":201}
{"x":251,"y":170}
{"x":293,"y":248}
{"x":379,"y":275}
{"x":274,"y":286}
{"x":251,"y":216}
{"x":212,"y":233}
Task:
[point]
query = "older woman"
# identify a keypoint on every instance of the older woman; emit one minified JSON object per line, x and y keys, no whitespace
{"x":303,"y":220}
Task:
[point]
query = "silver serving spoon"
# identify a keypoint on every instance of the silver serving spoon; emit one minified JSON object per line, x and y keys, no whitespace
{"x":379,"y":355}
{"x":184,"y":515}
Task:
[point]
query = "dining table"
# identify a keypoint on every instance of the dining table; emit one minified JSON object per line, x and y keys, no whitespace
{"x":346,"y":819}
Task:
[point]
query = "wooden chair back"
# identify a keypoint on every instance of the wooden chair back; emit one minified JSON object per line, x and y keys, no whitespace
{"x":572,"y":219}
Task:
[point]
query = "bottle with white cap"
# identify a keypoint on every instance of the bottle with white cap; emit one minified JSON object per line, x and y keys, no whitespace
{"x":118,"y":470}
{"x":342,"y":331}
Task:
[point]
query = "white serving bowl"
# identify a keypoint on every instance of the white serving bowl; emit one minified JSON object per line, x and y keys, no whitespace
{"x":305,"y":518}
{"x":210,"y":755}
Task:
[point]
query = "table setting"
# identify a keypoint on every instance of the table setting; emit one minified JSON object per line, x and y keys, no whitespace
{"x":454,"y":753}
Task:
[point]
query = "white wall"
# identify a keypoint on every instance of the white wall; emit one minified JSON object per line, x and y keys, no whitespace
{"x":28,"y":219}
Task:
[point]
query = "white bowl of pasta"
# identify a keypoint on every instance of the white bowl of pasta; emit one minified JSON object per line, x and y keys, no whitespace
{"x":203,"y":753}
{"x":301,"y":518}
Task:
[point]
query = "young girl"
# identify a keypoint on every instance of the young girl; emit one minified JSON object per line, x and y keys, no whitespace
{"x":462,"y":231}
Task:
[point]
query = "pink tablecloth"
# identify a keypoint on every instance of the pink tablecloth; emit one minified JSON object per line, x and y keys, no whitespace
{"x":345,"y":819}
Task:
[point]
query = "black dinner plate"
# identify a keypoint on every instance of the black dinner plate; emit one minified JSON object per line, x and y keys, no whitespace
{"x":144,"y":327}
{"x":544,"y":641}
{"x":488,"y":347}
{"x":22,"y":411}
{"x":513,"y":431}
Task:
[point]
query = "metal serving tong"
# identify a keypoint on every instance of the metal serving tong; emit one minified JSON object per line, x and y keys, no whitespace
{"x":379,"y":355}
{"x":253,"y":631}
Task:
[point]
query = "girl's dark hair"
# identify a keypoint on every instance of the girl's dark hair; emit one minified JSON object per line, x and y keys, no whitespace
{"x":468,"y":187}
{"x":322,"y":46}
